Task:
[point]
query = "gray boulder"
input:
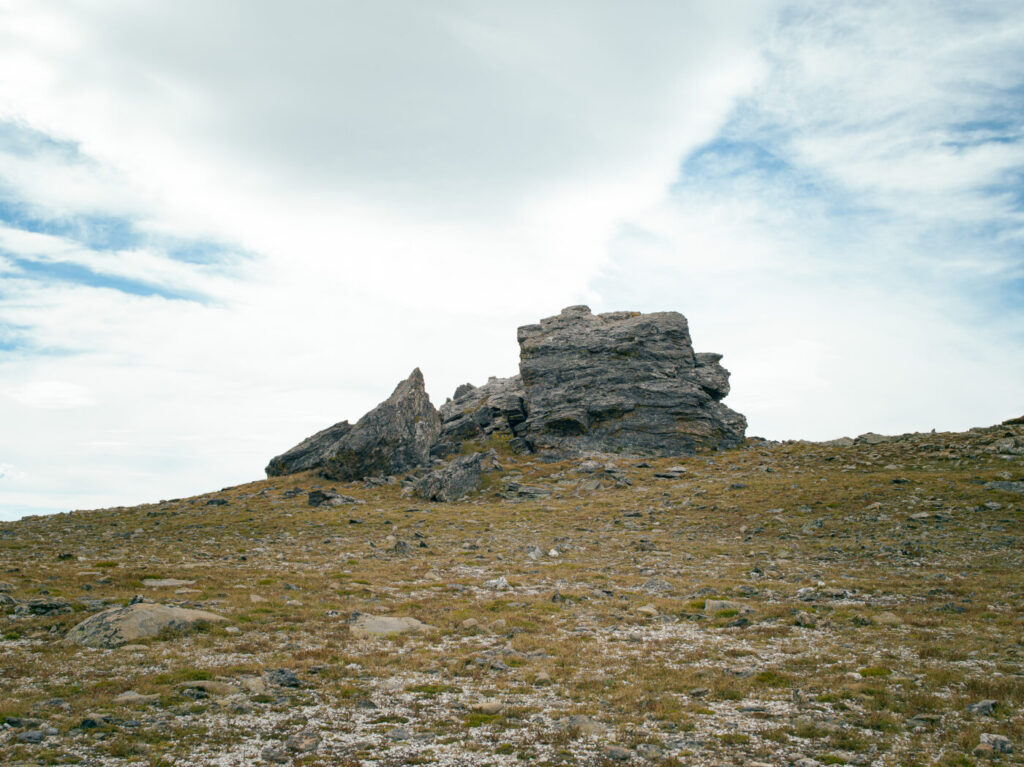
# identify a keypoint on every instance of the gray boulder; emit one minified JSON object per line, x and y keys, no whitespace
{"x":622,"y":381}
{"x":456,"y":478}
{"x":394,"y":437}
{"x":365,"y":625}
{"x":142,"y":620}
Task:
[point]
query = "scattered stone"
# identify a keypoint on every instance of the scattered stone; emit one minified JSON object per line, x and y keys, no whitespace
{"x":713,"y":606}
{"x":648,"y":611}
{"x":1006,"y":487}
{"x":121,"y":625}
{"x":207,"y":686}
{"x":924,"y":720}
{"x":160,"y":583}
{"x":993,"y":744}
{"x":583,"y":725}
{"x":650,"y":751}
{"x":31,"y":736}
{"x":489,"y":707}
{"x":281,"y":677}
{"x":398,"y":733}
{"x":48,"y":606}
{"x":303,"y":742}
{"x":321,"y":498}
{"x":275,"y":755}
{"x":617,"y":753}
{"x":983,"y":707}
{"x":657,"y":586}
{"x":130,"y":697}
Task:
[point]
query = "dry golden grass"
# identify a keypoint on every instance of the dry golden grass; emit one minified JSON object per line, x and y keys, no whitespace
{"x":913,"y":615}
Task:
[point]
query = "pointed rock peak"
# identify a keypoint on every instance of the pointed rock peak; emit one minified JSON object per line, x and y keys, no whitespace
{"x":414,"y":383}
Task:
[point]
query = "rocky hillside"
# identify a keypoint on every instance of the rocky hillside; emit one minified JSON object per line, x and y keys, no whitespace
{"x":858,"y":602}
{"x":615,"y":382}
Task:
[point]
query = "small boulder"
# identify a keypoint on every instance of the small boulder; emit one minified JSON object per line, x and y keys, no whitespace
{"x":144,"y":620}
{"x":983,"y":707}
{"x":456,"y":478}
{"x":48,"y":606}
{"x":303,"y":742}
{"x":382,"y":625}
{"x":281,"y":677}
{"x":993,"y":744}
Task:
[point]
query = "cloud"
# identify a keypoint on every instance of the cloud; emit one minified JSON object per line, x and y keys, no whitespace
{"x":219,"y":237}
{"x":51,"y":395}
{"x":230,"y":245}
{"x":852,"y":236}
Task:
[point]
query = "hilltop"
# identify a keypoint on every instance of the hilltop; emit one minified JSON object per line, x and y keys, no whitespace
{"x":858,"y":602}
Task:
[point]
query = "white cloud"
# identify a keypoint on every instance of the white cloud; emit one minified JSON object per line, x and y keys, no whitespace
{"x":852,"y":241}
{"x":51,"y":395}
{"x":403,"y":184}
{"x":409,"y":184}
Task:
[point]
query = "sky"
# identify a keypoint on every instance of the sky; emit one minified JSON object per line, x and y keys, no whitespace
{"x":224,"y":226}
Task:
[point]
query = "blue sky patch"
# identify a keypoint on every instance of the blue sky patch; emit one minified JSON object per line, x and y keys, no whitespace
{"x":66,"y":272}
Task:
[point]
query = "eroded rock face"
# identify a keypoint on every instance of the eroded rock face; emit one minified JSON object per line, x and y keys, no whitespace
{"x":311,"y":453}
{"x":622,"y":381}
{"x":477,"y":412}
{"x":144,"y":620}
{"x":394,"y":437}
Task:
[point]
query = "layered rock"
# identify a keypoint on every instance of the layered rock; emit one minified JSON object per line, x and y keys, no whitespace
{"x":614,"y":382}
{"x":312,"y":452}
{"x":457,"y":477}
{"x":497,"y":407}
{"x":394,"y":437}
{"x":622,"y":381}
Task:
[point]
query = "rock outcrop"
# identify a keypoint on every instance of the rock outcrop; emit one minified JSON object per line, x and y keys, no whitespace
{"x":394,"y":437}
{"x":614,"y":382}
{"x":622,"y":381}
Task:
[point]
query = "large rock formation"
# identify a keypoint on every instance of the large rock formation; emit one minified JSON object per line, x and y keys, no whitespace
{"x":615,"y":382}
{"x":622,"y":381}
{"x":394,"y":437}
